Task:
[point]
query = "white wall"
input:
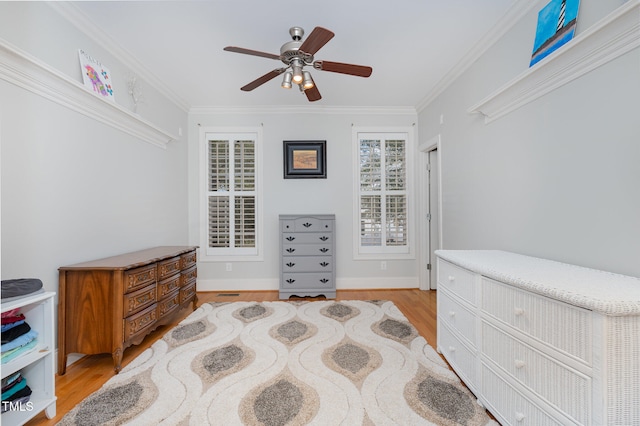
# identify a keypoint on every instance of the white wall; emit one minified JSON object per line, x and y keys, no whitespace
{"x":557,"y":178}
{"x":290,"y":196}
{"x":74,"y":189}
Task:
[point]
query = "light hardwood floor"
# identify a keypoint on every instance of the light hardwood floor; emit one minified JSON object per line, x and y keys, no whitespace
{"x":89,"y":373}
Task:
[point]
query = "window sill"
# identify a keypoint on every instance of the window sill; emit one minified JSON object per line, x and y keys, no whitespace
{"x":383,"y":256}
{"x":613,"y":36}
{"x":229,"y":258}
{"x":23,"y":70}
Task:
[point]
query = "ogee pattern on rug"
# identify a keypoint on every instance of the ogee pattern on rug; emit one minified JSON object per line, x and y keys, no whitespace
{"x":285,"y":363}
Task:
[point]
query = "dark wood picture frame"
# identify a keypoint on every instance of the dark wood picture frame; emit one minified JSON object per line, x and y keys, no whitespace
{"x":305,"y":159}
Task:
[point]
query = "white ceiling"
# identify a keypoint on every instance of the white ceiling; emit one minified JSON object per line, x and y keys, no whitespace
{"x":411,"y":45}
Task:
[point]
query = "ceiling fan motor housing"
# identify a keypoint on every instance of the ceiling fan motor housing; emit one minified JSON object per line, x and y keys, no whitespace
{"x":290,"y":51}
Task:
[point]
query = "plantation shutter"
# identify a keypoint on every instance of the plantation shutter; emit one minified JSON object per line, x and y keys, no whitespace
{"x":232,"y":195}
{"x":383,"y":193}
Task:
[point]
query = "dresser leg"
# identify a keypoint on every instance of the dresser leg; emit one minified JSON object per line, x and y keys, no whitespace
{"x":62,"y":363}
{"x":195,"y":302}
{"x":117,"y":360}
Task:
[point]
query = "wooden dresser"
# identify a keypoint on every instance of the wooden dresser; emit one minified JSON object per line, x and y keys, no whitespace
{"x":109,"y":304}
{"x":541,"y":342}
{"x":307,"y":263}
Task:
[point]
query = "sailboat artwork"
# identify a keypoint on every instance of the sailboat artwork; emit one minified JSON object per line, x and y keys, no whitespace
{"x":556,"y":26}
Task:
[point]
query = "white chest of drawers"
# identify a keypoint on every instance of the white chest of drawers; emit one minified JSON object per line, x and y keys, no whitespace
{"x":541,"y":342}
{"x":307,"y":256}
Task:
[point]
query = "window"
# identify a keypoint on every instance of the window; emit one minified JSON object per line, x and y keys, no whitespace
{"x":383,"y":194}
{"x":231,"y":204}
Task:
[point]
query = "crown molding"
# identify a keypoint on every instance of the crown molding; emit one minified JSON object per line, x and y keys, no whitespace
{"x":515,"y":13}
{"x":611,"y":37}
{"x":82,"y":22}
{"x":331,"y":110}
{"x":23,"y":70}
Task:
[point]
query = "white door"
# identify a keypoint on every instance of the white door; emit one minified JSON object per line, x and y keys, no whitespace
{"x":433,"y":217}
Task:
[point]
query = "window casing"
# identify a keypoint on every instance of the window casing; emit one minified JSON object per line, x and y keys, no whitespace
{"x":383,"y":202}
{"x":231,"y":203}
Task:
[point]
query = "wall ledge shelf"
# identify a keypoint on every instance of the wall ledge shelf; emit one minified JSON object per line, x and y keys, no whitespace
{"x":611,"y":37}
{"x":23,"y":70}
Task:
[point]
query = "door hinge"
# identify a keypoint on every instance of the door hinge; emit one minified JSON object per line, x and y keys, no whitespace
{"x":429,"y":217}
{"x":428,"y":167}
{"x":428,"y":266}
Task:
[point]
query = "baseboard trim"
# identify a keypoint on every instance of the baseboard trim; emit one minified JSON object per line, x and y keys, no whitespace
{"x":358,"y":283}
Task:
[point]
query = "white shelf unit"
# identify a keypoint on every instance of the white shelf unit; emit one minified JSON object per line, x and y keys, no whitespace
{"x":38,"y":366}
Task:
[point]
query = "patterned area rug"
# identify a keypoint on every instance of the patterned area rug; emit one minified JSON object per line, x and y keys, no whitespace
{"x":285,"y":363}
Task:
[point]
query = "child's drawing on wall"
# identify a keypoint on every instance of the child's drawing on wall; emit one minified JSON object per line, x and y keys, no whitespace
{"x":96,"y":76}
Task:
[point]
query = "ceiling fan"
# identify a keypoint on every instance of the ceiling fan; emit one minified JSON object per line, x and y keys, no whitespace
{"x":298,"y":54}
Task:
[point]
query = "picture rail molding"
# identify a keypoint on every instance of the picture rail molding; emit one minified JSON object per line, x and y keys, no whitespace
{"x":23,"y":70}
{"x":611,"y":37}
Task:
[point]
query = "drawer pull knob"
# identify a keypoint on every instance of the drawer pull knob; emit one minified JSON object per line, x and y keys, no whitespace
{"x":452,"y":313}
{"x":519,"y":363}
{"x":324,"y":264}
{"x":452,"y":349}
{"x":306,"y":224}
{"x":291,"y":250}
{"x":518,"y":311}
{"x":291,"y":281}
{"x":520,"y":416}
{"x":324,"y":281}
{"x":324,"y":238}
{"x":324,"y":250}
{"x":291,"y":238}
{"x":452,"y":278}
{"x":291,"y":264}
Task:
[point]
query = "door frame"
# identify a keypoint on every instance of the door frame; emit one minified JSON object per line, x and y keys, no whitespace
{"x":432,"y":144}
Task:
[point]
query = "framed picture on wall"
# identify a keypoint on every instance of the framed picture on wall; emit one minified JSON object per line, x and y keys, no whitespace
{"x":305,"y":159}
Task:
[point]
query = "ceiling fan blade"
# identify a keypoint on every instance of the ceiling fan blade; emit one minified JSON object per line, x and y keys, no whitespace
{"x":314,"y":41}
{"x":261,"y":80}
{"x":357,"y":70}
{"x":251,"y":52}
{"x":313,"y":94}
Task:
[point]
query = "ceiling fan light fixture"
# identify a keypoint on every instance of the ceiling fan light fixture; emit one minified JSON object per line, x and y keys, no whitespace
{"x":296,"y":67}
{"x":286,"y":80}
{"x":307,"y":82}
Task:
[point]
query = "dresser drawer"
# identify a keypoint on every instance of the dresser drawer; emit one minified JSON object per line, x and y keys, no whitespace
{"x":187,"y":292}
{"x":307,"y":224}
{"x":562,"y":386}
{"x":307,"y":264}
{"x":189,"y":276}
{"x":307,"y":250}
{"x":139,"y":299}
{"x":457,"y":280}
{"x":463,"y":359}
{"x":188,"y":260}
{"x":539,"y":317}
{"x":139,"y":277}
{"x":168,"y":267}
{"x":308,"y":280}
{"x":137,"y":323}
{"x":457,"y":317}
{"x":169,"y":304}
{"x":306,"y":238}
{"x":167,"y":286}
{"x":510,"y":406}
